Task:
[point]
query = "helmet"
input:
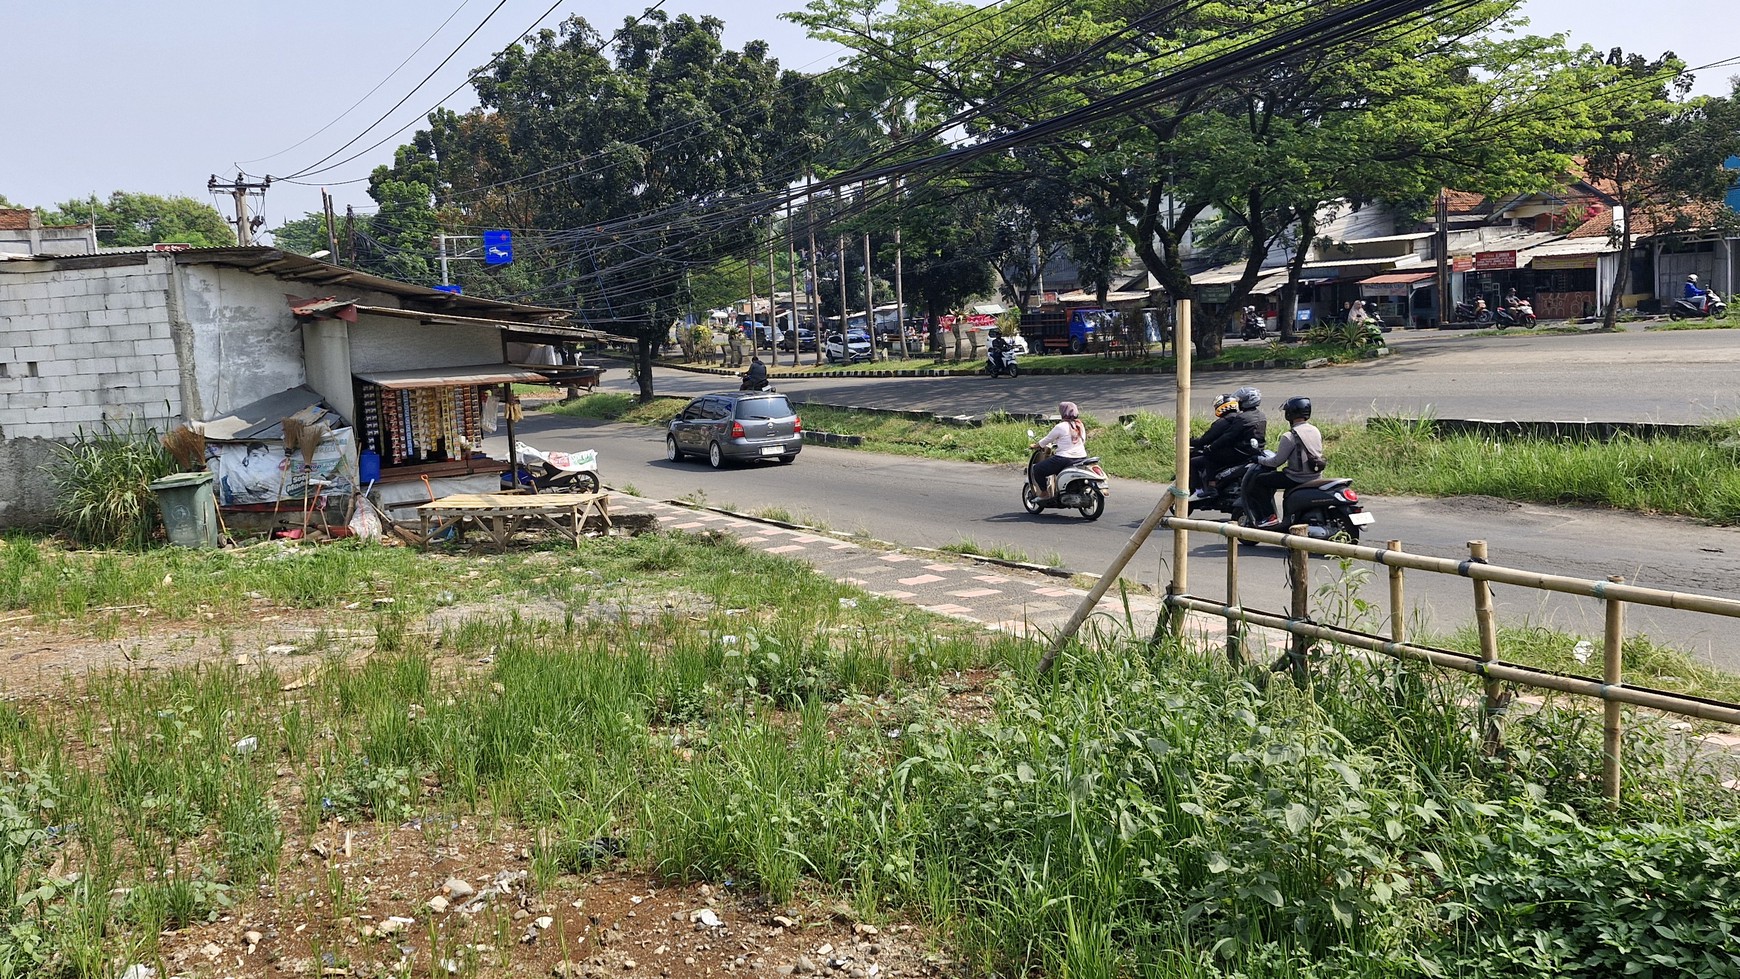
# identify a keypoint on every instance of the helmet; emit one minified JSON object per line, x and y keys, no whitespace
{"x":1693,"y":278}
{"x":1225,"y":404}
{"x":1249,"y":398}
{"x":1299,"y":408}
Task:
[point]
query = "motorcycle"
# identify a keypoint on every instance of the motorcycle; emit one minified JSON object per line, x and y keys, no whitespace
{"x":765,"y":385}
{"x":1227,"y":492}
{"x":1000,"y":362}
{"x":557,"y":472}
{"x":1329,"y":508}
{"x":1082,"y":486}
{"x":1473,"y":312}
{"x":1710,"y":306}
{"x":1521,"y":314}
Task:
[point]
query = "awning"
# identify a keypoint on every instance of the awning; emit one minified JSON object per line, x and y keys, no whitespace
{"x":989,"y":309}
{"x":1399,"y":279}
{"x":448,"y":377}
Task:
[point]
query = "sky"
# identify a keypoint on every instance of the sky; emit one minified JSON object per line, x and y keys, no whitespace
{"x":157,"y":97}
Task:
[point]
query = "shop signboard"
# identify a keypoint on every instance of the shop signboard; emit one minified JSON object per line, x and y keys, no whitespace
{"x":1494,"y":261}
{"x":1462,"y":263}
{"x":1218,"y":293}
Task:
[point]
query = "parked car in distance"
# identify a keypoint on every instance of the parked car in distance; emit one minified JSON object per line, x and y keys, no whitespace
{"x":851,"y":349}
{"x":735,"y":425}
{"x":806,"y":340}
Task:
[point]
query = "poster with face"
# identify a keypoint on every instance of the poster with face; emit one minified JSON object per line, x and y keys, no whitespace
{"x":262,"y":472}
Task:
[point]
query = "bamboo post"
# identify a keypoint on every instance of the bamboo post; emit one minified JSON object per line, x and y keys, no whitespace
{"x":1398,"y":607}
{"x":1299,"y":582}
{"x":1486,"y":624}
{"x":1235,"y":627}
{"x":1181,"y":466}
{"x":1612,"y":725}
{"x":1178,"y":502}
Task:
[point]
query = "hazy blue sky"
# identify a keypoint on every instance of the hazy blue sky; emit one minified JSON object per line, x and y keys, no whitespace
{"x":158,"y":96}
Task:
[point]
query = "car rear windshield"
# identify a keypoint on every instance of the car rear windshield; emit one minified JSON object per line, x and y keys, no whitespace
{"x":749,"y":409}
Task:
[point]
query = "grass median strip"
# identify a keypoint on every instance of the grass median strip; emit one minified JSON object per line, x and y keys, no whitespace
{"x":638,"y":705}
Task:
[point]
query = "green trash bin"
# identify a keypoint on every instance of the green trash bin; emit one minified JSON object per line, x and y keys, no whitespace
{"x":189,"y":509}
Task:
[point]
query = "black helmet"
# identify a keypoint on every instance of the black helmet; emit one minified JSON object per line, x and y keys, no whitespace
{"x":1250,"y":399}
{"x":1299,"y":408}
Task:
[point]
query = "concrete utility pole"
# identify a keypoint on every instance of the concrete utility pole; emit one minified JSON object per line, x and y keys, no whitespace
{"x":869,"y":299}
{"x":791,"y":279}
{"x":245,"y":225}
{"x":1441,"y":245}
{"x":844,"y":322}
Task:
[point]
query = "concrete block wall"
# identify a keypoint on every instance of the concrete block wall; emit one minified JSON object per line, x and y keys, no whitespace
{"x":78,"y":347}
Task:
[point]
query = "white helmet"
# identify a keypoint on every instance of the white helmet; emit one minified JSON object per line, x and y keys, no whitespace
{"x":1693,"y":278}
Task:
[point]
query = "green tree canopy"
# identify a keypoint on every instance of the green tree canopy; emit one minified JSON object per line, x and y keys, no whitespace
{"x":128,"y":220}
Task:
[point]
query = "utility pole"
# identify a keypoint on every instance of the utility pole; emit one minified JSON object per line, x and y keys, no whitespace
{"x":245,"y":225}
{"x":754,"y":335}
{"x":815,"y":269}
{"x":350,"y":233}
{"x":899,"y":286}
{"x":791,"y":278}
{"x":441,"y":243}
{"x":844,"y":322}
{"x":772,"y":305}
{"x":331,"y":232}
{"x":1441,"y":245}
{"x":869,"y":299}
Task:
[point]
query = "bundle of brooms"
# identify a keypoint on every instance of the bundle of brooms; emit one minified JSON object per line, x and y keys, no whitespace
{"x":187,"y":448}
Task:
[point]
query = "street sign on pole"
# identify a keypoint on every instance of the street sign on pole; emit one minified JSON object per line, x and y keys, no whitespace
{"x":498,"y":247}
{"x":455,"y":289}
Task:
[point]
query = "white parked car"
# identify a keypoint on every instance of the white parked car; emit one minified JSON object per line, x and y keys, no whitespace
{"x":855,"y":347}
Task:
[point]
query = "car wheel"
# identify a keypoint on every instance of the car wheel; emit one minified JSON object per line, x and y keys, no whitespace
{"x":788,"y":458}
{"x":672,"y":453}
{"x":1093,"y":503}
{"x":715,"y":456}
{"x":1030,"y":499}
{"x":586,"y":482}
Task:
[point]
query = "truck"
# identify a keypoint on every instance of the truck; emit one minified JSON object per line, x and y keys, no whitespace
{"x":1072,"y":329}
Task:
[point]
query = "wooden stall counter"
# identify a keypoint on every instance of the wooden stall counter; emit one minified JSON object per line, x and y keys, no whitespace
{"x":504,"y":514}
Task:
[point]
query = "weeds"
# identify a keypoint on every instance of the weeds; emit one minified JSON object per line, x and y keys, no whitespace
{"x":104,"y":480}
{"x":968,"y":545}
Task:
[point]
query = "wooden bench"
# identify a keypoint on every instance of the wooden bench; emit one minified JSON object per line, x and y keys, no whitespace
{"x":504,"y":514}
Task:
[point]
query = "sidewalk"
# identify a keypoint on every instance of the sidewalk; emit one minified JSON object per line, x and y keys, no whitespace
{"x":1018,"y":600}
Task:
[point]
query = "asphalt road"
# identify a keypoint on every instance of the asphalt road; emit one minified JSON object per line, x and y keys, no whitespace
{"x":1634,"y":375}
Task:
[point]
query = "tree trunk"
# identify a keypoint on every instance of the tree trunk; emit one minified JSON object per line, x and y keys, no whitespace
{"x":643,"y":360}
{"x":1289,"y":313}
{"x":1622,"y":277}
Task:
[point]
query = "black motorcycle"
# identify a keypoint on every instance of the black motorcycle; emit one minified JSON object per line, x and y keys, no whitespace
{"x":1472,"y":312}
{"x":1329,"y":508}
{"x":1711,"y":306}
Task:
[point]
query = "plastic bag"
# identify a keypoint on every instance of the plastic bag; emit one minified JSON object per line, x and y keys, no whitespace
{"x":364,"y":522}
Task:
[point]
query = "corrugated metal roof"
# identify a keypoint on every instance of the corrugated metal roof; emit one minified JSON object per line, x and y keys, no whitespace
{"x":446,"y":377}
{"x":263,"y":419}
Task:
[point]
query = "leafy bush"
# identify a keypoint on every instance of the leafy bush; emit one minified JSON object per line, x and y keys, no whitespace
{"x":104,"y":478}
{"x":1562,"y":898}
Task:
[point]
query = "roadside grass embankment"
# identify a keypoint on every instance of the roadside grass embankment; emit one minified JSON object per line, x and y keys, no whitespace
{"x":1137,"y":811}
{"x":1273,"y":353}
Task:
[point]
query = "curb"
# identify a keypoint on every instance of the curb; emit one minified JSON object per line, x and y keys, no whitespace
{"x":1226,"y":368}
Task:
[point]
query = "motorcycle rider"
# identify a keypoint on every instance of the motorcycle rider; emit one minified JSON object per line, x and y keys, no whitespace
{"x":755,"y":378}
{"x":999,"y":353}
{"x":1696,"y":294}
{"x":1297,"y":459}
{"x":1068,"y":439}
{"x":1226,"y":443}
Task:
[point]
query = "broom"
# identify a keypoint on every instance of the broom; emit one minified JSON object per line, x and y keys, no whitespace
{"x":186,"y":447}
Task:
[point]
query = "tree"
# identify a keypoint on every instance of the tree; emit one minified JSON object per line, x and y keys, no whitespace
{"x":128,"y":220}
{"x":653,"y":162}
{"x":1659,"y":155}
{"x":304,"y":235}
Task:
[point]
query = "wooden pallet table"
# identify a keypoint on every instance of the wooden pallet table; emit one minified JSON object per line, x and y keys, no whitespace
{"x":504,"y":514}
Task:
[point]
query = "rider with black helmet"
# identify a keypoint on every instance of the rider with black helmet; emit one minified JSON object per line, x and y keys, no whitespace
{"x":1297,"y":459}
{"x":1228,"y":442}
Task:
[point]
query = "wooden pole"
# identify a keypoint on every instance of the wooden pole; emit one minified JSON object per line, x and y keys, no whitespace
{"x":1612,"y":674}
{"x":1299,"y":584}
{"x":1235,"y":627}
{"x":1486,"y":624}
{"x":1181,"y":466}
{"x":1398,"y":607}
{"x":1178,"y":502}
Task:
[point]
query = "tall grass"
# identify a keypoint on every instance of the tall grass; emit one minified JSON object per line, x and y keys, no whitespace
{"x":1140,"y":810}
{"x":104,"y":480}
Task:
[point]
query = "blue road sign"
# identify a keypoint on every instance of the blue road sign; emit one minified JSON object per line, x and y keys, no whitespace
{"x":452,"y":288}
{"x":498,"y":247}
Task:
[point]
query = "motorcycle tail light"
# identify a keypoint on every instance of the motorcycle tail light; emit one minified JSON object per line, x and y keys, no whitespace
{"x":1098,"y":471}
{"x":736,"y":430}
{"x":1349,"y":495}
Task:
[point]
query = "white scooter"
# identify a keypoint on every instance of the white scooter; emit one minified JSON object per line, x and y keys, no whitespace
{"x":1082,"y":486}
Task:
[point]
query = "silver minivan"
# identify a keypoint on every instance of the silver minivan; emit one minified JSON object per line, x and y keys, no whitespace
{"x":736,"y":425}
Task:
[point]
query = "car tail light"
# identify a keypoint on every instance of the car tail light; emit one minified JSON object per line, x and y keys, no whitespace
{"x":797,"y":425}
{"x":736,"y":430}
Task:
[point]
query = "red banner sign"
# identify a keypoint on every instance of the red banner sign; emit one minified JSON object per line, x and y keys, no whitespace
{"x":1494,"y":261}
{"x":1462,"y":263}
